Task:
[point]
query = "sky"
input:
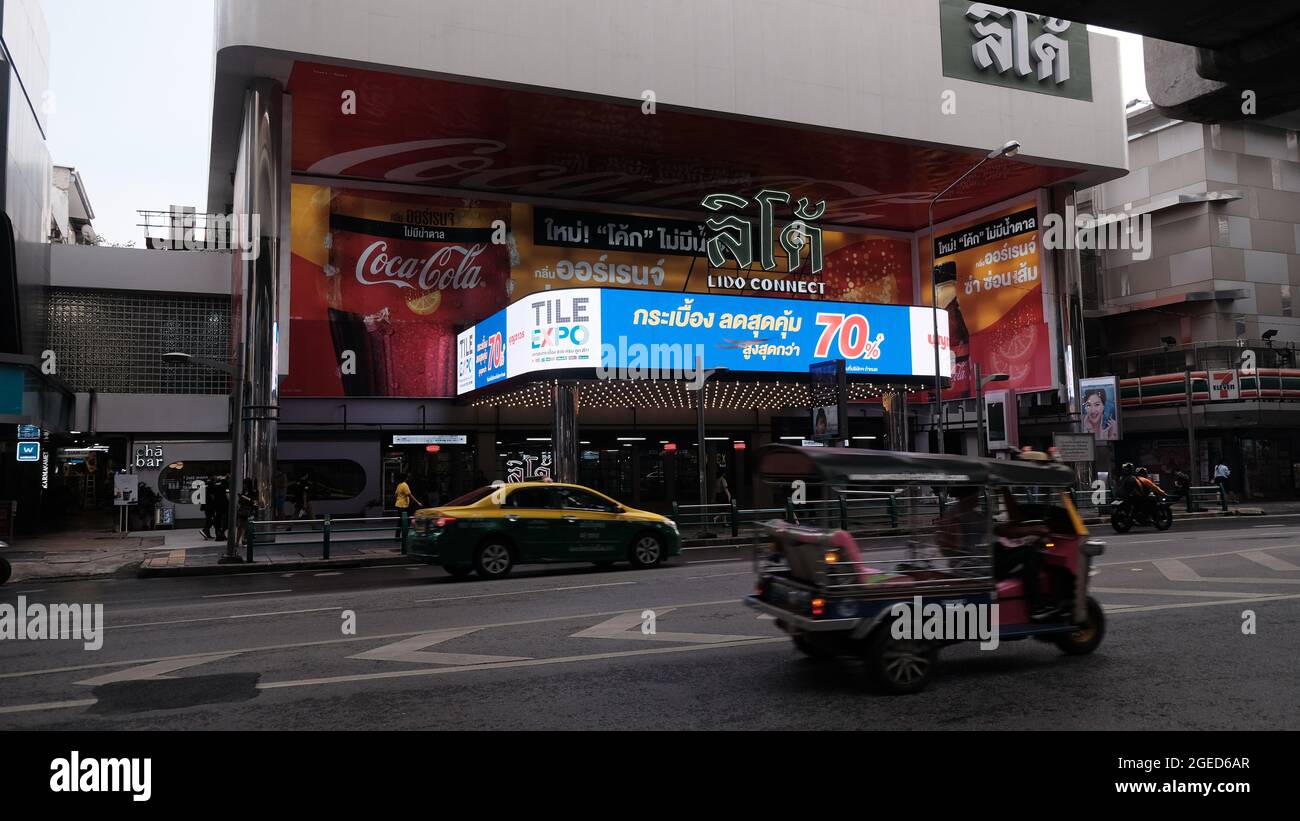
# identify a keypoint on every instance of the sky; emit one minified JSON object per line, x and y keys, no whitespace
{"x":132,"y":93}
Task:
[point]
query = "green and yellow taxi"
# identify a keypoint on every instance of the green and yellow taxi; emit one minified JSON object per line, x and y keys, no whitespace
{"x":490,"y":530}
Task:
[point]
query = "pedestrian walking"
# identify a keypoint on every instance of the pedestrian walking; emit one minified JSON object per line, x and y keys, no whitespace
{"x":404,"y":501}
{"x":1221,"y":474}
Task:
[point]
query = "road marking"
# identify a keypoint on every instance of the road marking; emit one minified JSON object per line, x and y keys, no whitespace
{"x":1268,"y":525}
{"x":522,"y":592}
{"x":626,"y":626}
{"x":1182,"y":605}
{"x":1176,"y":571}
{"x":25,"y":592}
{"x":411,"y":650}
{"x":653,"y":651}
{"x":1156,"y":591}
{"x":155,"y":671}
{"x":1271,"y":562}
{"x":49,"y":705}
{"x":1197,"y":555}
{"x":325,"y":642}
{"x":253,"y":593}
{"x":717,"y":561}
{"x":721,"y":575}
{"x":1146,"y":541}
{"x":331,"y":573}
{"x":222,"y":618}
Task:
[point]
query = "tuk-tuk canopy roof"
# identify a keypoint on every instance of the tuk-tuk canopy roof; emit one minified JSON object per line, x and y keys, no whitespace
{"x":845,"y":466}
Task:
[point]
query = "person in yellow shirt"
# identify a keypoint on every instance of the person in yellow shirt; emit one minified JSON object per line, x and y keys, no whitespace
{"x":405,"y":501}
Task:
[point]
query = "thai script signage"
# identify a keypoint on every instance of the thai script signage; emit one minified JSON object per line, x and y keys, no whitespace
{"x":995,"y":44}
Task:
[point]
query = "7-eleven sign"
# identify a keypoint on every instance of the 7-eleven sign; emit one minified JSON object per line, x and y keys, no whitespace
{"x":1224,"y":385}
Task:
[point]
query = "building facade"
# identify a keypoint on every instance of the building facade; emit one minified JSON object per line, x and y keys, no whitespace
{"x":1214,"y":296}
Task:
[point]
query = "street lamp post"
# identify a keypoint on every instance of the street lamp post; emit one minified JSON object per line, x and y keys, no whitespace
{"x":236,"y":432}
{"x":980,"y":382}
{"x":1008,"y":149}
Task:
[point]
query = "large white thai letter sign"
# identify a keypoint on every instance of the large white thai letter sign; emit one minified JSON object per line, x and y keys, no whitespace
{"x":999,"y":45}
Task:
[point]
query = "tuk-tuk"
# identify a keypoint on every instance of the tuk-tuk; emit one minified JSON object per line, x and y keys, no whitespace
{"x":937,"y":543}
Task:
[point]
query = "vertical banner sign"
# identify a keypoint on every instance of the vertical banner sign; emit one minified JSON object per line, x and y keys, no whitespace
{"x":1099,"y":407}
{"x":989,"y":280}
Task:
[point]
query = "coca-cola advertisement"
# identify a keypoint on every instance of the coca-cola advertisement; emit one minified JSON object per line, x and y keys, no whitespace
{"x":381,"y":283}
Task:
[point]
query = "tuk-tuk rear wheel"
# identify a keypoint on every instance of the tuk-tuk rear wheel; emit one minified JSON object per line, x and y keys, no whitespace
{"x":897,"y":666}
{"x":1087,"y":636}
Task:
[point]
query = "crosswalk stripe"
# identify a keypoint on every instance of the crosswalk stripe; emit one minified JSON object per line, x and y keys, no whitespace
{"x":1269,"y":561}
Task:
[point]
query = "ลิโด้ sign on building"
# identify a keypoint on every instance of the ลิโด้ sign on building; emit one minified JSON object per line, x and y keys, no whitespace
{"x":611,"y":328}
{"x":999,"y":45}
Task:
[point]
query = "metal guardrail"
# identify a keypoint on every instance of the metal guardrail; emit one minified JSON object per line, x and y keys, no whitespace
{"x":326,"y":530}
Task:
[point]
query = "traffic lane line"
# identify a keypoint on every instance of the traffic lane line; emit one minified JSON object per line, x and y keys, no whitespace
{"x":523,"y":592}
{"x":250,"y":593}
{"x":1157,"y":591}
{"x":224,"y":618}
{"x":1194,"y":555}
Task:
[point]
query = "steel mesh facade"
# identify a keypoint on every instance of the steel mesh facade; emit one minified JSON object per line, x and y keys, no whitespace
{"x":113,"y":341}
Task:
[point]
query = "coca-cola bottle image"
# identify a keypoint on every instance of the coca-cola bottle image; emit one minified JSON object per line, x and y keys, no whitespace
{"x":403,"y":274}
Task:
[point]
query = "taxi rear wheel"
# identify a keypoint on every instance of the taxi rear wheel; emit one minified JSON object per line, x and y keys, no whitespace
{"x":647,"y":551}
{"x":493,"y":560}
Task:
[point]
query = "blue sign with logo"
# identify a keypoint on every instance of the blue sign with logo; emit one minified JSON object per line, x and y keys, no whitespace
{"x":29,"y":432}
{"x":29,"y":451}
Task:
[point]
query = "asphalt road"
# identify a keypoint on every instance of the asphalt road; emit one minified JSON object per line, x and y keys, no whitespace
{"x":561,"y":648}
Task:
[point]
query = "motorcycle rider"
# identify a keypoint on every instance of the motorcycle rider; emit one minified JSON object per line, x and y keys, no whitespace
{"x":1127,"y":490}
{"x":1150,"y":492}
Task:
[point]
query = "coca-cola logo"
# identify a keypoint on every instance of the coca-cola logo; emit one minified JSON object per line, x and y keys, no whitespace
{"x":451,"y":266}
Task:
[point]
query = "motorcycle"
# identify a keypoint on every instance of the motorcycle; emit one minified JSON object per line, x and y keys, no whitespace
{"x":1125,"y":514}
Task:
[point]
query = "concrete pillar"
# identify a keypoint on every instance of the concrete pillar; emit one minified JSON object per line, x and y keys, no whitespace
{"x":260,"y":182}
{"x":564,"y":431}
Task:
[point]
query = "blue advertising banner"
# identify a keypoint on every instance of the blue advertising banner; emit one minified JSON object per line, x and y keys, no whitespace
{"x":611,"y":328}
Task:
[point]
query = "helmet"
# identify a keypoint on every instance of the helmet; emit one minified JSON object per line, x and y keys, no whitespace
{"x":1127,"y":467}
{"x":1142,"y":471}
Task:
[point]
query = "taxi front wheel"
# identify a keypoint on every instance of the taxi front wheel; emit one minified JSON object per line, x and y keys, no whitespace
{"x":647,"y":551}
{"x":493,"y":560}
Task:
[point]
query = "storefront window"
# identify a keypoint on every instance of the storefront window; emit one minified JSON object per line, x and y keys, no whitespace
{"x":332,"y":479}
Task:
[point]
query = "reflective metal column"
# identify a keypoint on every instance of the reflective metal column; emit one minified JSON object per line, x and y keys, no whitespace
{"x":259,"y":180}
{"x":895,"y":405}
{"x":564,"y":431}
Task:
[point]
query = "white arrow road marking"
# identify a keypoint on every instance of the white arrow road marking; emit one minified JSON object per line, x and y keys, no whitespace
{"x":412,"y":650}
{"x":1271,"y":562}
{"x":628,"y":626}
{"x":154,"y":671}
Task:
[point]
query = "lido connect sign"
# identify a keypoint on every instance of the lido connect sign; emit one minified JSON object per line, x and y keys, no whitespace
{"x":615,"y":328}
{"x":733,"y":237}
